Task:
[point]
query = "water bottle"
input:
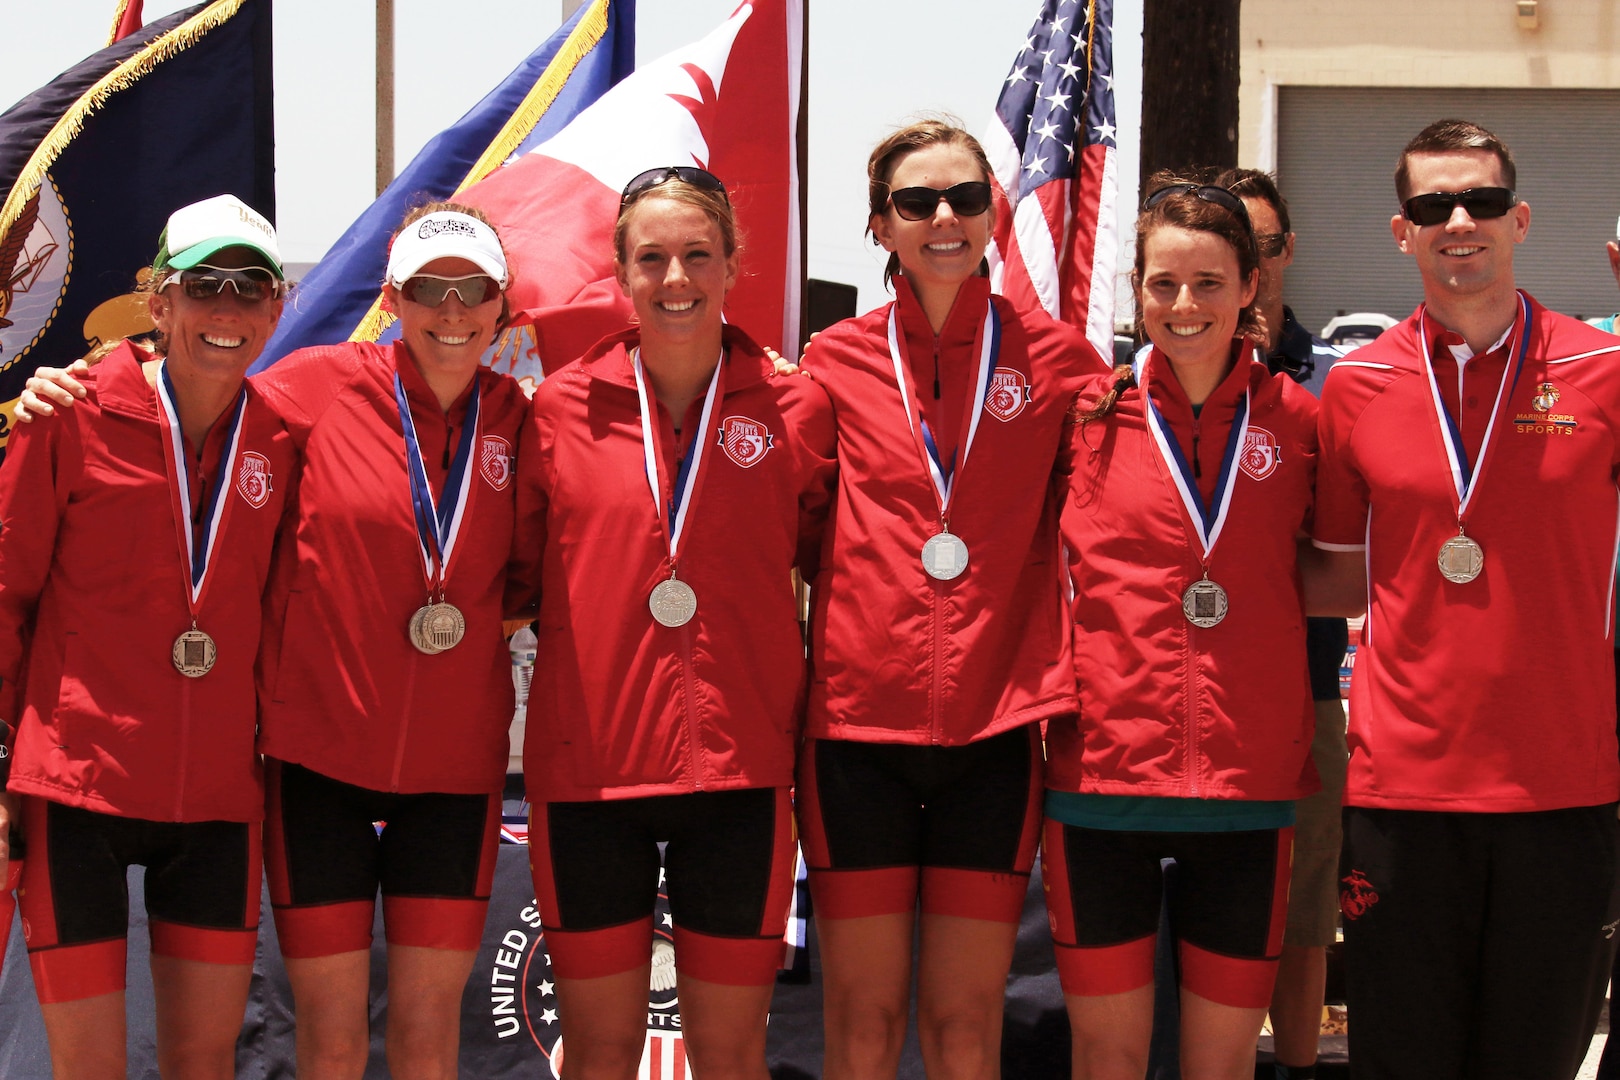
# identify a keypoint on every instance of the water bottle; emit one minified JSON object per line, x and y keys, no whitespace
{"x":523,"y":645}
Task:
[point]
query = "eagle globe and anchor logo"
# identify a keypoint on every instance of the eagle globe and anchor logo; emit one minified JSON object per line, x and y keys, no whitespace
{"x":523,"y":995}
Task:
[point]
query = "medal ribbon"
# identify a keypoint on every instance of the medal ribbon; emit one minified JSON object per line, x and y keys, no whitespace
{"x":1207,"y":521}
{"x":198,"y":552}
{"x":944,"y":474}
{"x":683,"y":492}
{"x":1464,"y":475}
{"x":438,"y":522}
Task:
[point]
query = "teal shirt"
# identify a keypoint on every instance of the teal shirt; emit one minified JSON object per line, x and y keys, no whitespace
{"x":1153,"y":813}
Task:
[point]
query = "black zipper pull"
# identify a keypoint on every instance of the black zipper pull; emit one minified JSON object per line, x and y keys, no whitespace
{"x":936,"y":369}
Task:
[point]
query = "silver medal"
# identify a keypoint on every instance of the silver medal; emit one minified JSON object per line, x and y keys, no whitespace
{"x":672,"y":603}
{"x":194,"y":653}
{"x":437,"y":628}
{"x":1204,"y":603}
{"x":1461,"y":559}
{"x":944,"y":556}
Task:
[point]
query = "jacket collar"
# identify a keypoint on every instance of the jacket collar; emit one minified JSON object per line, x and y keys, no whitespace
{"x":608,"y":360}
{"x":961,"y":327}
{"x":1172,"y":399}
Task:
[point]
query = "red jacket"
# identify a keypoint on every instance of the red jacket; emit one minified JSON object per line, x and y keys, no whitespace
{"x":621,"y":706}
{"x":896,"y":655}
{"x":342,"y":689}
{"x":1168,"y":708}
{"x":90,"y":562}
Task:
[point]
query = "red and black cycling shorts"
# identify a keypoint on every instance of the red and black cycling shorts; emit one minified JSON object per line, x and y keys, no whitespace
{"x":957,"y":826}
{"x":1227,"y":910}
{"x":202,"y":894}
{"x":727,"y":868}
{"x":330,"y":847}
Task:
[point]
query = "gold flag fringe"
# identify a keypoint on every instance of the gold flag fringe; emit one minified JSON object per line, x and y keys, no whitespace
{"x":118,"y":20}
{"x":122,"y":77}
{"x":585,"y":36}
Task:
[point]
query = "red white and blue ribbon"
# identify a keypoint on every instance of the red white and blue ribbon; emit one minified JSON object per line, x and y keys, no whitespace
{"x":944,"y":474}
{"x":197,"y":542}
{"x":1207,"y":521}
{"x":438,"y":521}
{"x":1465,"y":475}
{"x":683,"y":492}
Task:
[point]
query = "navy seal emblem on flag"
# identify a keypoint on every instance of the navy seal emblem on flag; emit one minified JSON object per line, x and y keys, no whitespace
{"x":745,"y":441}
{"x":253,"y":479}
{"x":495,"y":461}
{"x":1009,"y":393}
{"x":1260,"y":455}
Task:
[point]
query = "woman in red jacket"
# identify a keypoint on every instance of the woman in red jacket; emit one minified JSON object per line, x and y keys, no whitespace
{"x":136,"y":671}
{"x":676,"y":483}
{"x":1191,"y":483}
{"x":938,"y":639}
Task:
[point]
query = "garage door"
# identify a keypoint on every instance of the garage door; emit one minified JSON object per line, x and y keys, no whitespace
{"x":1336,"y":151}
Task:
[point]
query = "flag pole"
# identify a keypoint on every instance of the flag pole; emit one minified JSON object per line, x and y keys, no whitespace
{"x":385,"y":94}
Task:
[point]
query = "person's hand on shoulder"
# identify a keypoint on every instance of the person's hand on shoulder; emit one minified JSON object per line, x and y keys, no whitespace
{"x":48,"y":388}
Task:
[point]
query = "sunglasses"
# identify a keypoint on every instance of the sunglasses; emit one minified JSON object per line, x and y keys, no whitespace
{"x":430,"y":291}
{"x":1271,"y":245}
{"x":1481,"y":203}
{"x":1209,"y":193}
{"x":253,"y":284}
{"x":642,"y":183}
{"x":920,"y":203}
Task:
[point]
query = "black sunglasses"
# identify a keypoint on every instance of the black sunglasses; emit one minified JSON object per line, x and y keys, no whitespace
{"x":1436,"y":207}
{"x":1209,"y":193}
{"x":917,"y":203}
{"x":431,"y":291}
{"x":252,"y":284}
{"x":1271,"y":244}
{"x":690,"y":174}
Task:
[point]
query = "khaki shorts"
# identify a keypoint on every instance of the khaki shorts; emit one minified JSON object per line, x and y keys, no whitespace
{"x":1313,"y":891}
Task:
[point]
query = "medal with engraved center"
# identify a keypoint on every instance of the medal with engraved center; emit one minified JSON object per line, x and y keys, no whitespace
{"x":1204,"y":603}
{"x":194,"y":653}
{"x":437,"y":628}
{"x":944,"y":556}
{"x":672,"y":603}
{"x":1461,"y":559}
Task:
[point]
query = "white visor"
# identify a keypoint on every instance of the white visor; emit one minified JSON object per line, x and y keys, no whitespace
{"x":445,"y":235}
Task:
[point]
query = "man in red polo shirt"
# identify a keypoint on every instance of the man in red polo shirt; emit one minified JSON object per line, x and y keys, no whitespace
{"x":1466,"y":492}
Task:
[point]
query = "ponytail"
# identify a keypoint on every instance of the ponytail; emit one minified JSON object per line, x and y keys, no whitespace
{"x":1124,"y":379}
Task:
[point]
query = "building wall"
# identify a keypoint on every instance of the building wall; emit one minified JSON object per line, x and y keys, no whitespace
{"x":1428,"y":43}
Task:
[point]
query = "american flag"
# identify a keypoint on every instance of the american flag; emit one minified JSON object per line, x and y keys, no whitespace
{"x":1051,"y":145}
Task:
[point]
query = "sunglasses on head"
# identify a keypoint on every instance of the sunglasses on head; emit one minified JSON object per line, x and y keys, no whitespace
{"x":1482,"y":202}
{"x":1209,"y":193}
{"x":430,"y":291}
{"x":918,"y":203}
{"x":253,"y":283}
{"x":701,"y":179}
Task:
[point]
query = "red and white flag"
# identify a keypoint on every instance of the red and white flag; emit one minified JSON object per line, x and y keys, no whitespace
{"x":729,"y":104}
{"x":1051,"y":146}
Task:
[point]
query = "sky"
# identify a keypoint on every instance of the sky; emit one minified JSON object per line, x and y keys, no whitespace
{"x":873,"y":64}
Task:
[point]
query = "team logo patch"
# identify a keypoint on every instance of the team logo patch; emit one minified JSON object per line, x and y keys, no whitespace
{"x":495,"y":461}
{"x":745,"y":441}
{"x":1009,"y":393}
{"x":523,"y":997}
{"x":1546,"y":397}
{"x":1357,"y":895}
{"x":1543,"y":421}
{"x":1259,"y":455}
{"x":253,"y":479}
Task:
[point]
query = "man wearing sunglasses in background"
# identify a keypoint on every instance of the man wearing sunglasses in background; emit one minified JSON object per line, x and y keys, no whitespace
{"x":1313,"y":894}
{"x":1466,"y":493}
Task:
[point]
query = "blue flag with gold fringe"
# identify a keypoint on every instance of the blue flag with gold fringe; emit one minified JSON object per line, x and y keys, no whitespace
{"x":589,"y":53}
{"x":93,"y":163}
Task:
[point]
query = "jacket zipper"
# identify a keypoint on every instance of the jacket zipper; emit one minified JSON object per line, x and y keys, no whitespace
{"x":690,"y":695}
{"x":1198,"y":466}
{"x":1192,"y":712}
{"x":185,"y":750}
{"x":404,"y":726}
